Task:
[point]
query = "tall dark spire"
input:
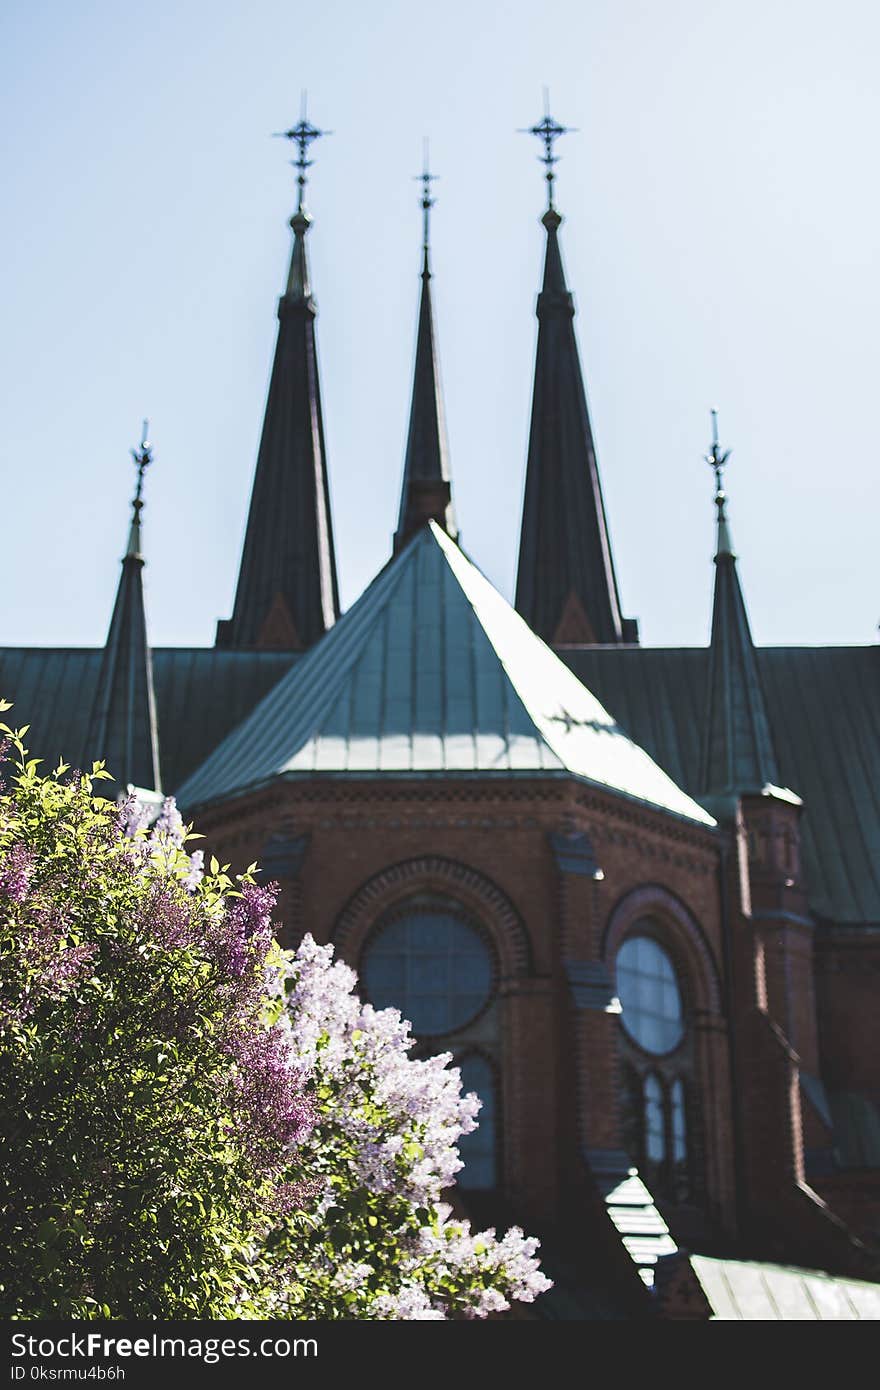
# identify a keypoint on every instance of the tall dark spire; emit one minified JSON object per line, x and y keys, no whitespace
{"x":566,"y":588}
{"x":122,"y":728}
{"x":426,"y":493}
{"x":287,"y":594}
{"x":738,"y":751}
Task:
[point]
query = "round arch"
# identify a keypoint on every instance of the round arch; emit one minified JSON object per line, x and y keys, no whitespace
{"x":476,"y":893}
{"x":679,"y":933}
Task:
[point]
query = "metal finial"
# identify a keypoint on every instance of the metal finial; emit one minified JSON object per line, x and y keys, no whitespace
{"x":303,"y":133}
{"x":143,"y":457}
{"x":426,"y":178}
{"x":548,"y":132}
{"x":716,"y":459}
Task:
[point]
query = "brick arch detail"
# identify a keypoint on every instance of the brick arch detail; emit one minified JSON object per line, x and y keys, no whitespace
{"x":471,"y":889}
{"x":679,"y":932}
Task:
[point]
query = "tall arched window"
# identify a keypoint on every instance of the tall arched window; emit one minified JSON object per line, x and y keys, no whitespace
{"x":655,"y":1120}
{"x":432,"y":961}
{"x":477,"y":1149}
{"x":658,"y":1051}
{"x":679,"y":1122}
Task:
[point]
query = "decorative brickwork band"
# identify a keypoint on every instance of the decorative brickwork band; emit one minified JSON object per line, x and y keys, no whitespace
{"x":472,"y":889}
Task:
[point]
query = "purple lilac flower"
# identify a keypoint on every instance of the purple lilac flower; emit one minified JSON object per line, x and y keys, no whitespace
{"x":274,"y":1114}
{"x":15,"y":873}
{"x":243,"y":937}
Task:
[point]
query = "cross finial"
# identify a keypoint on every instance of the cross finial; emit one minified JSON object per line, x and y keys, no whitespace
{"x":716,"y":459}
{"x":303,"y":133}
{"x":143,"y":457}
{"x":426,"y":178}
{"x":548,"y":132}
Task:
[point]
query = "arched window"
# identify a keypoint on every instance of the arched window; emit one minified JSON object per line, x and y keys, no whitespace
{"x":657,"y":1053}
{"x":679,"y":1122}
{"x":428,"y":958}
{"x":477,"y":1150}
{"x":649,"y":995}
{"x":655,"y":1120}
{"x":432,"y":964}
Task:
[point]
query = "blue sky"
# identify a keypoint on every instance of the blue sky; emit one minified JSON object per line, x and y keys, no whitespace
{"x":721,"y":225}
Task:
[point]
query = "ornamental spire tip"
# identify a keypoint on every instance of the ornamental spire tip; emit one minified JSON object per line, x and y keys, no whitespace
{"x":548,"y":132}
{"x":426,"y":178}
{"x":302,"y":134}
{"x":717,"y":462}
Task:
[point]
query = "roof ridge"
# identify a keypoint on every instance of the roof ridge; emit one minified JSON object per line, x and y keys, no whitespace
{"x":533,"y":717}
{"x":342,"y":634}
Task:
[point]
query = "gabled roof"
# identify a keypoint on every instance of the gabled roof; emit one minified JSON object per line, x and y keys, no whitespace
{"x":433,"y":672}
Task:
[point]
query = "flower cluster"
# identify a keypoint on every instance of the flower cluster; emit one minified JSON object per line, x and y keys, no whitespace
{"x":15,"y":873}
{"x":273,"y":1114}
{"x":406,"y":1140}
{"x":401,"y":1119}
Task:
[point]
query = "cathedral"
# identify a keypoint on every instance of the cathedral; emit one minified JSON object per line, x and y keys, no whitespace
{"x":634,"y":891}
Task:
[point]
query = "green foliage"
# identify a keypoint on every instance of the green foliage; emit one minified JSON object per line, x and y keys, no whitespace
{"x":126,"y":1187}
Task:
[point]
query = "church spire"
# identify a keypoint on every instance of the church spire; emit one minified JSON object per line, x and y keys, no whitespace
{"x":287,"y":594}
{"x":566,"y":588}
{"x":426,"y":493}
{"x":738,"y":751}
{"x":122,"y":727}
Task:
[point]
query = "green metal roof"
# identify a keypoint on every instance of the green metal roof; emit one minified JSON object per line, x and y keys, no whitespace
{"x":741,"y":1291}
{"x":823,"y":704}
{"x":201,"y":693}
{"x":432,"y":671}
{"x":824,"y":709}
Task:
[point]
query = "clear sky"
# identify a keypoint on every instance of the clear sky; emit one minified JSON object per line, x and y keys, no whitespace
{"x":721,"y":227}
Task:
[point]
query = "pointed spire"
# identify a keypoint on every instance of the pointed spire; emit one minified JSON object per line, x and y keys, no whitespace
{"x":122,"y":728}
{"x":738,"y":751}
{"x":287,"y":594}
{"x":566,"y":587}
{"x":426,"y":493}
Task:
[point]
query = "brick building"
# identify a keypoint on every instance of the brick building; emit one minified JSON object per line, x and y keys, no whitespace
{"x":634,"y":891}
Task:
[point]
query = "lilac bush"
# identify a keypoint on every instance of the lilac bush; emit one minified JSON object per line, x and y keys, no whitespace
{"x":199,"y":1124}
{"x":149,"y":1103}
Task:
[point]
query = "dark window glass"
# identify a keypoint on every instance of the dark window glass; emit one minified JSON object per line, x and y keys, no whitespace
{"x":432,"y":966}
{"x":649,"y":995}
{"x":655,"y":1129}
{"x":679,"y":1128}
{"x":477,"y":1149}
